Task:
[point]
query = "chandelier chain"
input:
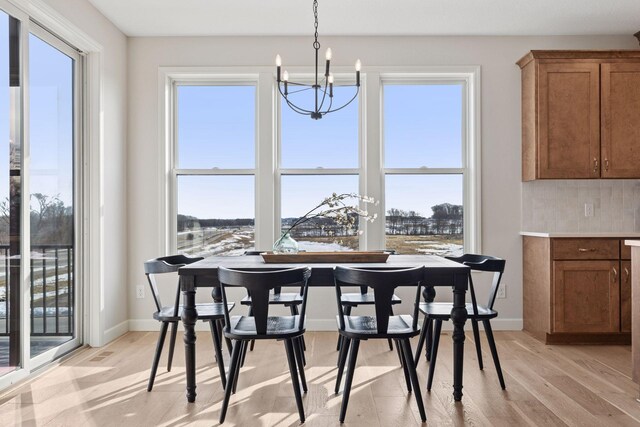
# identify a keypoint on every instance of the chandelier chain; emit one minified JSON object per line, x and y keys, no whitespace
{"x":316,"y":44}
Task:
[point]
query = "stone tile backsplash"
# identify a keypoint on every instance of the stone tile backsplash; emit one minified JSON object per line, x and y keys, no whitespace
{"x":558,"y":205}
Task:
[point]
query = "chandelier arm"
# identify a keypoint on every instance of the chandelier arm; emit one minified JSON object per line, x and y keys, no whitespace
{"x":300,"y":112}
{"x":324,"y":95}
{"x":292,"y":105}
{"x":299,"y":90}
{"x":299,"y":84}
{"x":297,"y":109}
{"x":350,"y":101}
{"x":328,"y":110}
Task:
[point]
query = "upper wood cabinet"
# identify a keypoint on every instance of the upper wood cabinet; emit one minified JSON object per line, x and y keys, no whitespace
{"x":620,"y":95}
{"x":580,"y":114}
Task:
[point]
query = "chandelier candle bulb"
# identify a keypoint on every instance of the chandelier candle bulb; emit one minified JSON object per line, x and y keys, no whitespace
{"x":328,"y":58}
{"x":286,"y":81}
{"x":278,"y":65}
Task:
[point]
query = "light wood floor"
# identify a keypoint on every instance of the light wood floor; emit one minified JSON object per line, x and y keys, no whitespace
{"x":546,"y":385}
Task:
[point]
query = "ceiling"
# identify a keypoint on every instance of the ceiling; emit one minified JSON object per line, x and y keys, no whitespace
{"x":372,"y":17}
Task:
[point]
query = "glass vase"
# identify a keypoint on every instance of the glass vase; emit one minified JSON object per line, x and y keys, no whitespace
{"x":285,"y":245}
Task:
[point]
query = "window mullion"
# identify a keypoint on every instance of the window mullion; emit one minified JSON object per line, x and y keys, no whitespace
{"x":373,"y":161}
{"x":265,"y":184}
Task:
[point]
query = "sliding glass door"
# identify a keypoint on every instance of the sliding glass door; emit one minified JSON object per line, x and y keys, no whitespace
{"x":52,"y":108}
{"x":40,"y":79}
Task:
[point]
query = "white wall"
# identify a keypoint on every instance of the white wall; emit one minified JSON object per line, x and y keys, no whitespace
{"x":114,"y":124}
{"x":501,"y":164}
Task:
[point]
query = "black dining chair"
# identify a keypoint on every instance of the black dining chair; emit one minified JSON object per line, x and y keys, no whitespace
{"x":291,"y":300}
{"x":260,"y":326}
{"x":384,"y":325}
{"x":171,"y":315}
{"x":364,"y":297}
{"x":437,"y":312}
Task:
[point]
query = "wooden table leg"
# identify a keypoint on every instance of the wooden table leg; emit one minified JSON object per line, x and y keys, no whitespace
{"x":189,"y":318}
{"x":458,"y":317}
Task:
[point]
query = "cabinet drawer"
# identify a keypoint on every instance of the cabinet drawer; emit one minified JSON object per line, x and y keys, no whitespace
{"x":586,"y":249}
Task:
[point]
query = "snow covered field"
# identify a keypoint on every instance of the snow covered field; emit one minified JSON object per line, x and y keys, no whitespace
{"x":231,"y":241}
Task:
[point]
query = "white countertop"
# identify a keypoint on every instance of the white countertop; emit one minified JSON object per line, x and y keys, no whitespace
{"x":560,"y":234}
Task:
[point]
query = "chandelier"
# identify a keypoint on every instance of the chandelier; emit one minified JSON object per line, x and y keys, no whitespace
{"x":322,"y":88}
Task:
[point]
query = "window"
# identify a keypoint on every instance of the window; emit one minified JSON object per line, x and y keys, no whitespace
{"x":424,"y":166}
{"x":244,"y":165}
{"x":318,"y":158}
{"x":215,"y":168}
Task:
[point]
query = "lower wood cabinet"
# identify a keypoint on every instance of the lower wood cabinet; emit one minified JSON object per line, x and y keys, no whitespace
{"x":577,"y":290}
{"x":586,"y":296}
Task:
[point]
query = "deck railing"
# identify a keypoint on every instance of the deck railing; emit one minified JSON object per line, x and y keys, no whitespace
{"x":52,"y":290}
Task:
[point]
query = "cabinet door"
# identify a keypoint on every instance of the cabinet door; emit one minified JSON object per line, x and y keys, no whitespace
{"x":586,"y":296}
{"x":620,"y":120}
{"x":625,"y":296}
{"x":569,"y":120}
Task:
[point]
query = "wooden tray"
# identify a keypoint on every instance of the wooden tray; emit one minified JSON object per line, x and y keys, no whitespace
{"x":328,"y":257}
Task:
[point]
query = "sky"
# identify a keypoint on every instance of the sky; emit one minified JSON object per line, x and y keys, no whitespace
{"x":216,"y":128}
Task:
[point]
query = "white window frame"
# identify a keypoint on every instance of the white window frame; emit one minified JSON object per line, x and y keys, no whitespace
{"x":175,"y":171}
{"x":470,"y":167}
{"x":370,"y":169}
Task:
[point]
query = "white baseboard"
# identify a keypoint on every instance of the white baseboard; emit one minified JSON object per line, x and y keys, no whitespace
{"x":325,"y":325}
{"x":113,"y":333}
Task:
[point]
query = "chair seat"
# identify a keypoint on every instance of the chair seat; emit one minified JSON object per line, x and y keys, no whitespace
{"x":442,"y":311}
{"x":358,"y":298}
{"x":365,"y":327}
{"x":244,"y":328}
{"x":207,"y":311}
{"x":283,"y":298}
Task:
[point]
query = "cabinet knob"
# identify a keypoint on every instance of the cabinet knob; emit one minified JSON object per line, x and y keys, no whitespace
{"x":626,"y":275}
{"x":587,"y":249}
{"x":615,"y":274}
{"x":595,"y":165}
{"x":606,"y":164}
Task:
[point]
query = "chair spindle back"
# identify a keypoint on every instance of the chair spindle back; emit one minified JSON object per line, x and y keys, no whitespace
{"x":162,"y":265}
{"x":383,"y":282}
{"x":258,"y":283}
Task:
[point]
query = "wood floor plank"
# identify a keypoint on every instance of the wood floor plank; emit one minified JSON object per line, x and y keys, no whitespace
{"x":535,"y":413}
{"x":583,"y":396}
{"x":546,"y":385}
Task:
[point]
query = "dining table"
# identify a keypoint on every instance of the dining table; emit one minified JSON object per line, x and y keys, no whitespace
{"x":439,"y":272}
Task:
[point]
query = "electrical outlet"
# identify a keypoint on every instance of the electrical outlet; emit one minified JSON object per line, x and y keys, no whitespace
{"x":140,"y":291}
{"x":588,"y":210}
{"x":502,"y":291}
